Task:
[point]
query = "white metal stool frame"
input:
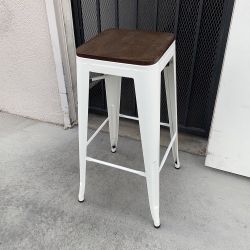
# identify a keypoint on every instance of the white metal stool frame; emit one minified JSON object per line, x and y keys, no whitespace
{"x":147,"y":80}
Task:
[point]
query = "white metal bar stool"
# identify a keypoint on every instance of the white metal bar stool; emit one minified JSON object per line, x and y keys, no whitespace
{"x":142,"y":56}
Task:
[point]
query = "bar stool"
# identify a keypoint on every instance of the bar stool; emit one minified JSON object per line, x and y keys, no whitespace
{"x":142,"y":56}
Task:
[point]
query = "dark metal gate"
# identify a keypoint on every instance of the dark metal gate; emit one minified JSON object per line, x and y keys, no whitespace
{"x":201,"y":28}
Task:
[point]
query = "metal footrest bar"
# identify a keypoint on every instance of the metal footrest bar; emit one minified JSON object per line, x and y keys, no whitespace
{"x":97,"y":78}
{"x":116,"y":166}
{"x":121,"y":167}
{"x":122,"y":116}
{"x":137,"y":119}
{"x":97,"y":131}
{"x":167,"y":151}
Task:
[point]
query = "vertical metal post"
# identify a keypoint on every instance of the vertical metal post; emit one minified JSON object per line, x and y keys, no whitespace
{"x":157,"y":15}
{"x":78,"y":22}
{"x":137,"y":13}
{"x":190,"y":81}
{"x":98,"y":13}
{"x":226,"y":20}
{"x":176,"y":17}
{"x":117,"y":13}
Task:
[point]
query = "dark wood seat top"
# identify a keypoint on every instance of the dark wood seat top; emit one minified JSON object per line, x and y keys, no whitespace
{"x":127,"y":46}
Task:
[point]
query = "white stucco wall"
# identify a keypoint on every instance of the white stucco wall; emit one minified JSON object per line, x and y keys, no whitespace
{"x":229,"y":142}
{"x":28,"y":81}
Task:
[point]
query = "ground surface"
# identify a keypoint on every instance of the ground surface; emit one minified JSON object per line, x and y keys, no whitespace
{"x":201,"y":208}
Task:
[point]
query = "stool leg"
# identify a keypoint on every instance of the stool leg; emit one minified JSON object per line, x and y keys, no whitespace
{"x":147,"y":88}
{"x":113,"y":93}
{"x":171,"y":93}
{"x":83,"y":99}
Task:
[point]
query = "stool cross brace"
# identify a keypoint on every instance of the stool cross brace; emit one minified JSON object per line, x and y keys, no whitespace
{"x":141,"y":173}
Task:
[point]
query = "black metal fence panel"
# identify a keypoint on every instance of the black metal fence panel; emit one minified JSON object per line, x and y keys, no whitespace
{"x":127,"y":14}
{"x":201,"y":29}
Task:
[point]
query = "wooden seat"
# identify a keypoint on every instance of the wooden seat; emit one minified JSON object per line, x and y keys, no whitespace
{"x":127,"y":46}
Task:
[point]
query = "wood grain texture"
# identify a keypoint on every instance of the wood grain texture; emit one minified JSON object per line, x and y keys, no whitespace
{"x":127,"y":46}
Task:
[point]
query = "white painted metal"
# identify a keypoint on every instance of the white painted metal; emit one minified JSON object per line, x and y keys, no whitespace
{"x":83,"y":101}
{"x":164,"y":124}
{"x":97,"y":131}
{"x":129,"y":117}
{"x":113,"y":93}
{"x":167,"y":151}
{"x":171,"y":94}
{"x":148,"y":96}
{"x":97,"y":78}
{"x":106,"y":120}
{"x":147,"y":87}
{"x":116,"y":166}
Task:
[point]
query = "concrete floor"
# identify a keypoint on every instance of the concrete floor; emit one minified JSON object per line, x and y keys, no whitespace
{"x":201,"y":208}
